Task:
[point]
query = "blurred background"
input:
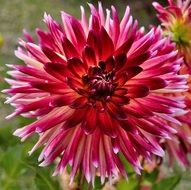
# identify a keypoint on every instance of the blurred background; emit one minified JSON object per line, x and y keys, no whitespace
{"x":18,"y":171}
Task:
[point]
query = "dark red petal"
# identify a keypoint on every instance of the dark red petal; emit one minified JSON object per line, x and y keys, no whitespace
{"x":116,"y":111}
{"x":107,"y":124}
{"x":76,"y":66}
{"x":53,"y":56}
{"x":45,"y":39}
{"x":90,"y":121}
{"x":107,"y":44}
{"x":137,"y":91}
{"x":94,"y":42}
{"x":89,"y":56}
{"x":120,"y":61}
{"x":109,"y":64}
{"x":122,"y":78}
{"x":69,"y":50}
{"x":133,"y":71}
{"x":124,"y":48}
{"x":65,"y":99}
{"x":120,"y":100}
{"x":121,"y":91}
{"x":100,"y":106}
{"x":74,"y":84}
{"x":57,"y":70}
{"x":137,"y":109}
{"x":151,"y":83}
{"x":137,"y":60}
{"x":128,"y":126}
{"x":76,"y":118}
{"x":52,"y":87}
{"x":79,"y":103}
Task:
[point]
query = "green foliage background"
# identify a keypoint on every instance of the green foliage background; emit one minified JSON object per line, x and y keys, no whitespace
{"x":18,"y":171}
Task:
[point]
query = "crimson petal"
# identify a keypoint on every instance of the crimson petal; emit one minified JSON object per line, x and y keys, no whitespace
{"x":76,"y":66}
{"x":57,"y":70}
{"x":137,"y":91}
{"x":53,"y":56}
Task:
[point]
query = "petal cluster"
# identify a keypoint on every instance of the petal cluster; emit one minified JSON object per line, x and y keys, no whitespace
{"x":100,"y":90}
{"x":176,"y":20}
{"x":179,"y":147}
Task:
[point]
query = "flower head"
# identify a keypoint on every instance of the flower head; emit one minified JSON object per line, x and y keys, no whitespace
{"x":97,"y":90}
{"x":179,"y":146}
{"x":176,"y":20}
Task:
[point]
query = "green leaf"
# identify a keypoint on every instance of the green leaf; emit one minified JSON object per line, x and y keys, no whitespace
{"x":98,"y":185}
{"x":168,"y":183}
{"x":44,"y":180}
{"x":151,"y":177}
{"x":131,"y":184}
{"x":11,"y":167}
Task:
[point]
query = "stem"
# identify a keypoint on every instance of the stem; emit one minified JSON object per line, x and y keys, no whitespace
{"x":90,"y":187}
{"x":140,"y":180}
{"x":140,"y":177}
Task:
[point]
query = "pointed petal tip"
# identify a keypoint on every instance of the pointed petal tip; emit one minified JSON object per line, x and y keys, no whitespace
{"x":55,"y":173}
{"x":11,"y":115}
{"x":17,"y":132}
{"x":43,"y":164}
{"x":154,"y":4}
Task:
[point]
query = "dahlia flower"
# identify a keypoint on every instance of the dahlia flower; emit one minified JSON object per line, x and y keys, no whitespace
{"x":179,"y":147}
{"x":97,"y":90}
{"x":176,"y":23}
{"x":176,"y":20}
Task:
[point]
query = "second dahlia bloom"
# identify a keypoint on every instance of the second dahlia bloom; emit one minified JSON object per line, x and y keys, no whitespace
{"x":176,"y":20}
{"x":97,"y":91}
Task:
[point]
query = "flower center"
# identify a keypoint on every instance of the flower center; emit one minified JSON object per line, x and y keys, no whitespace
{"x":181,"y":32}
{"x":100,"y":83}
